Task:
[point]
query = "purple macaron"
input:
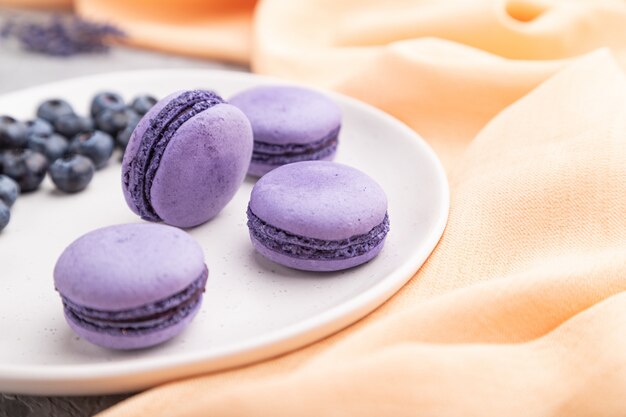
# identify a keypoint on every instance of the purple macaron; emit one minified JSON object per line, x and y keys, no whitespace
{"x":318,"y":216}
{"x":186,"y":159}
{"x":290,"y":124}
{"x":131,"y":286}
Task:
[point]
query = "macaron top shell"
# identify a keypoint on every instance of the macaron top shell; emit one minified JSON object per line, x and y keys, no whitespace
{"x":286,"y":114}
{"x":319,"y":199}
{"x":127,"y":266}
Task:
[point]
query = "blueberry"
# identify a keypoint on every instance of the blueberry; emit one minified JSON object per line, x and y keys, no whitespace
{"x":50,"y":110}
{"x":5,"y":215}
{"x":97,"y":146}
{"x":9,"y":190}
{"x":72,"y":173}
{"x":106,"y":101}
{"x":141,"y":104}
{"x":114,"y":121}
{"x":53,"y":146}
{"x":12,"y":133}
{"x":122,"y":138}
{"x":70,"y":125}
{"x":38,"y":127}
{"x":26,"y":167}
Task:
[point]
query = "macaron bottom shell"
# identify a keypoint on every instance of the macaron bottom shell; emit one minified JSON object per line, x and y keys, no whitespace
{"x":317,"y":265}
{"x":131,"y":341}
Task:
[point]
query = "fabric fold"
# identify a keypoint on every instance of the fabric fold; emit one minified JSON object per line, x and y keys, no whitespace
{"x":444,"y":68}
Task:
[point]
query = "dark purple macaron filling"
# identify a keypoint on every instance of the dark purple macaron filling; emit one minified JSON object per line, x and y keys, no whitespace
{"x":143,"y":319}
{"x":275,"y":154}
{"x":143,"y":167}
{"x":302,"y":247}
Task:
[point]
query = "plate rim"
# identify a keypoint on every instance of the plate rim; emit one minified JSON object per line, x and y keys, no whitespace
{"x":35,"y":379}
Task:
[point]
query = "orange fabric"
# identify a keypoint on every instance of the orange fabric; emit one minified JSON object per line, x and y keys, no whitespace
{"x":521,"y":309}
{"x":205,"y":28}
{"x":443,"y":67}
{"x":41,"y":4}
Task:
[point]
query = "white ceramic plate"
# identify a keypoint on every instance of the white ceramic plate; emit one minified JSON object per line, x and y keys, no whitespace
{"x":253,"y":309}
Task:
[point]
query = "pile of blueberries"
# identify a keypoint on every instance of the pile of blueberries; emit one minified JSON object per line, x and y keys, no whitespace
{"x":67,"y":146}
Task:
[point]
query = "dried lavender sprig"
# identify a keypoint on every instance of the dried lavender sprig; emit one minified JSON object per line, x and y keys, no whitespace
{"x":6,"y":29}
{"x":62,"y":36}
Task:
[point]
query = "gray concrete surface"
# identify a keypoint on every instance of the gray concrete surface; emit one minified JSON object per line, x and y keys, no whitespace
{"x":19,"y":69}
